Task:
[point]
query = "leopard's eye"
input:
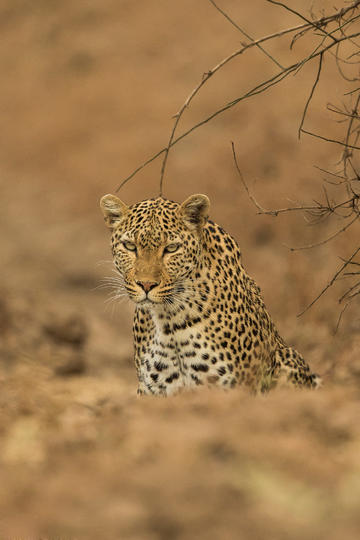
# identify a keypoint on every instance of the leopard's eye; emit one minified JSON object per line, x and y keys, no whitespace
{"x":171,"y":248}
{"x":129,"y":246}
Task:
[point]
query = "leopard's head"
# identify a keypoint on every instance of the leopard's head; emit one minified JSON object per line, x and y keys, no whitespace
{"x":157,"y":245}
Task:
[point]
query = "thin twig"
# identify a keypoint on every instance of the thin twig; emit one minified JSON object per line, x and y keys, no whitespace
{"x":312,"y":23}
{"x":311,"y":94}
{"x":338,"y":59}
{"x":340,"y":317}
{"x":135,"y":171}
{"x":331,"y":237}
{"x":330,"y":140}
{"x":331,"y":282}
{"x":351,"y":296}
{"x":307,"y":58}
{"x":253,"y":200}
{"x":277,"y":211}
{"x":348,"y":134}
{"x":347,"y":294}
{"x":329,"y":172}
{"x":345,"y":23}
{"x":334,"y":109}
{"x":352,"y":91}
{"x":245,"y":34}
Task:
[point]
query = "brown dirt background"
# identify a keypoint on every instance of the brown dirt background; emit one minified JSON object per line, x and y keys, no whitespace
{"x":88,"y":90}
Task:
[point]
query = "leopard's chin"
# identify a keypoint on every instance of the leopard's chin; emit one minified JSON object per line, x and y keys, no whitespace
{"x":147,"y":302}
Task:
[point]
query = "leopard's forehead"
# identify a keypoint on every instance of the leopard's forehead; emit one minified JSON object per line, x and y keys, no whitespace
{"x":153,"y":221}
{"x":151,"y":209}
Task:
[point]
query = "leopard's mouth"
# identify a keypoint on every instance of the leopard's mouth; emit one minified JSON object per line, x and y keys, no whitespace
{"x":147,"y":301}
{"x":154,"y":297}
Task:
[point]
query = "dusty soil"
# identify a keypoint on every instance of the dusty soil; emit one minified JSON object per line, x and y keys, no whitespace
{"x":88,"y":91}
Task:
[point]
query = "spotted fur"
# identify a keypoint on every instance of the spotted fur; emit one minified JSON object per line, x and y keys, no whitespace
{"x":199,"y":318}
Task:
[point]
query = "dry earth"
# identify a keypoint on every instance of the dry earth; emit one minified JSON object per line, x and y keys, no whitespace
{"x":88,"y":91}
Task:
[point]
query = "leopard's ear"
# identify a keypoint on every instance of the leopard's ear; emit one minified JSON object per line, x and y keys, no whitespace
{"x":195,"y":211}
{"x":113,"y":209}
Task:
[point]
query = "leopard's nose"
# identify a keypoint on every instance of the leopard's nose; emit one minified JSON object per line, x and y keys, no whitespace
{"x":147,"y":285}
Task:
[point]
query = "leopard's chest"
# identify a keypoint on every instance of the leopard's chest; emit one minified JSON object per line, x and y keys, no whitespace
{"x":181,"y":354}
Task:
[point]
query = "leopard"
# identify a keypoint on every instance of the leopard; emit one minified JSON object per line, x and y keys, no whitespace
{"x":200,"y":319}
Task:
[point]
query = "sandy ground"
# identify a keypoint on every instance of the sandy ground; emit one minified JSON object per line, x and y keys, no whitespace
{"x":88,"y":92}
